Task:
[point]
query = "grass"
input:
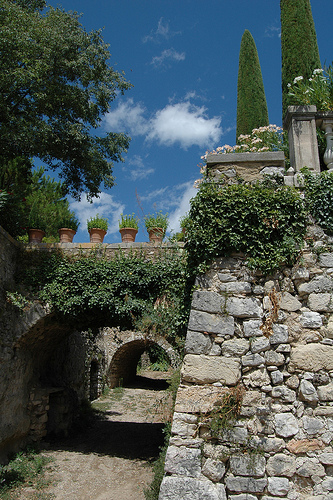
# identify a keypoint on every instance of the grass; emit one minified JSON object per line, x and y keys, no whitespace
{"x":26,"y":469}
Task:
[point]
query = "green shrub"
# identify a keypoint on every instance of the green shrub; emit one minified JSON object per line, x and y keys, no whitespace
{"x":98,"y":223}
{"x":318,"y":190}
{"x":128,"y":221}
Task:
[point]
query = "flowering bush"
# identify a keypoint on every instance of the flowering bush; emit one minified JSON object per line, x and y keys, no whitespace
{"x":268,"y":138}
{"x":317,"y":90}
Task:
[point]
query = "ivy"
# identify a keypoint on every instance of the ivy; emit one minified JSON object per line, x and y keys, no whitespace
{"x":129,"y":291}
{"x":267,"y":222}
{"x":318,"y":191}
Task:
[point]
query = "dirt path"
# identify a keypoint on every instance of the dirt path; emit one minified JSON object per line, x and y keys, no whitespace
{"x":111,"y":459}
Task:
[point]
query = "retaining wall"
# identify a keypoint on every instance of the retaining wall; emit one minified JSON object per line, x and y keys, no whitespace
{"x":272,"y":339}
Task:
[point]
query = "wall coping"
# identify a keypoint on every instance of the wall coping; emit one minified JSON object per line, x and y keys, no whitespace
{"x":271,"y":158}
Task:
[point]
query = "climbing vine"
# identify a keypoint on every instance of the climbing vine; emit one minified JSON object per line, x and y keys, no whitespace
{"x":130,"y":291}
{"x":266,"y":221}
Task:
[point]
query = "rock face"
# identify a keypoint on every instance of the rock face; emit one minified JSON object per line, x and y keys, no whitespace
{"x":279,"y":444}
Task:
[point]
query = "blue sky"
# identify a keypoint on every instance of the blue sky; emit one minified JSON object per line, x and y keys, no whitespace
{"x":182,"y":58}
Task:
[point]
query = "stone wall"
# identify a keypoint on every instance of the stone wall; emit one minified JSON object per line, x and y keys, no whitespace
{"x":272,"y":340}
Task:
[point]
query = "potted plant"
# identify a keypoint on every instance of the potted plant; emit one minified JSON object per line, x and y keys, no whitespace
{"x":97,"y":228}
{"x":128,"y":227}
{"x":156,"y":226}
{"x":69,"y":225}
{"x":36,"y":225}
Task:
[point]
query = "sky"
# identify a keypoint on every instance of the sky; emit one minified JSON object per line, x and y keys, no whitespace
{"x":181,"y":57}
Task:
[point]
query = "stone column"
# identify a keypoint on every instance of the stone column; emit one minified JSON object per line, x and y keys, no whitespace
{"x":325,"y":121}
{"x":300,"y":122}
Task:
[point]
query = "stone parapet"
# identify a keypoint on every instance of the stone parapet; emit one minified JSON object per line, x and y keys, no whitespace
{"x":272,"y":339}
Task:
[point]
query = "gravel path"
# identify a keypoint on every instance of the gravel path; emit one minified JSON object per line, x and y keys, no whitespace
{"x":112,"y":458}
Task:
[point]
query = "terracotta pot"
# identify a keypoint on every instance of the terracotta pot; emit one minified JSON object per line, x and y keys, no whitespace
{"x":66,"y":235}
{"x":96,"y":235}
{"x":36,"y":235}
{"x":156,"y":234}
{"x":128,"y":234}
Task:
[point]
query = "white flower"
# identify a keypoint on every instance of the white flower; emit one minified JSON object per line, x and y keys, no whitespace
{"x":298,"y":79}
{"x":317,"y":71}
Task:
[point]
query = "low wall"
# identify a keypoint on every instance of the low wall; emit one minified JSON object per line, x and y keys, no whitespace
{"x":272,"y":340}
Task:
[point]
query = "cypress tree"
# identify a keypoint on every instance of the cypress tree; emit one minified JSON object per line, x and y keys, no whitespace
{"x":300,"y":54}
{"x":251,"y":100}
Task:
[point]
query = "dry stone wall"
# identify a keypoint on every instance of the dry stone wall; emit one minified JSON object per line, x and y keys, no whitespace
{"x":272,"y":339}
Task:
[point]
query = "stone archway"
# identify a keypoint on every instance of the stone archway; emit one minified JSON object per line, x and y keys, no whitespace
{"x":124,"y":351}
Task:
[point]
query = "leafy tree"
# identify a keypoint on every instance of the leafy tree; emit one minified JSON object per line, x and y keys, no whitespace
{"x":55,"y":86}
{"x":251,"y":101}
{"x":300,"y":54}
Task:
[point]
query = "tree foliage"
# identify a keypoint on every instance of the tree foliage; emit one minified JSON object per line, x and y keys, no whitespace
{"x":251,"y":100}
{"x":300,"y":54}
{"x":55,"y":86}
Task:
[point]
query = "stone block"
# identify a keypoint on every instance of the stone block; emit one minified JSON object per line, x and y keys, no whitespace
{"x":312,"y":425}
{"x":237,"y":287}
{"x":304,"y":445}
{"x":307,"y":467}
{"x":209,"y":369}
{"x":213,"y":469}
{"x":257,"y":378}
{"x":183,"y":461}
{"x":310,"y":319}
{"x":289,"y":302}
{"x":203,"y":300}
{"x":253,"y":360}
{"x":245,"y":484}
{"x":187,"y":488}
{"x":326,"y":458}
{"x":198,"y":399}
{"x":276,"y":377}
{"x":211,"y":323}
{"x":260,"y":345}
{"x":320,"y":302}
{"x":252,"y":328}
{"x":235,"y":347}
{"x":307,"y":392}
{"x":197,"y":343}
{"x":273,"y":358}
{"x":284,"y":393}
{"x":311,"y":357}
{"x":248,"y":465}
{"x":272,"y":444}
{"x":280,"y":334}
{"x":281,"y":465}
{"x":286,"y":425}
{"x":318,"y":284}
{"x":326,"y":259}
{"x":325,"y":392}
{"x":278,"y":486}
{"x":244,"y":307}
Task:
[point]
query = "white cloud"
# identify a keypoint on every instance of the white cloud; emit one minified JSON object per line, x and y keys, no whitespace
{"x":168,"y":55}
{"x":139,"y":170}
{"x":186,"y":124}
{"x":185,"y":193}
{"x":162,"y":32}
{"x":105,"y":206}
{"x":180,"y":123}
{"x":128,"y":117}
{"x":272,"y":31}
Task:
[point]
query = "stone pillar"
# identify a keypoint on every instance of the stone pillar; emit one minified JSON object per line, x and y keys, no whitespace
{"x":300,"y":122}
{"x":325,"y":121}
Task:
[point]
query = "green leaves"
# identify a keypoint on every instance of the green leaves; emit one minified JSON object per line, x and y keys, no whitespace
{"x":55,"y":86}
{"x":319,"y":198}
{"x":267,"y":223}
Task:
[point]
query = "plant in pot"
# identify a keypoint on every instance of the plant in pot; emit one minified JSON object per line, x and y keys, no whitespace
{"x":36,"y":225}
{"x":128,"y":228}
{"x":97,"y":228}
{"x":69,"y":224}
{"x":156,"y":226}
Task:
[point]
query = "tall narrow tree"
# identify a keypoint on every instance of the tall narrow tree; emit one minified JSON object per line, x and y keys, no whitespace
{"x":251,"y":100}
{"x":299,"y":47}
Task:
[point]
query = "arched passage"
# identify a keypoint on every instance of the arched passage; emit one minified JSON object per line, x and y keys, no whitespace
{"x":123,"y":364}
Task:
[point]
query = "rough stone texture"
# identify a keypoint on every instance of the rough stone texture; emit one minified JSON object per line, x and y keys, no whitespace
{"x":245,"y":484}
{"x":244,"y":308}
{"x":187,"y":488}
{"x":278,"y":486}
{"x":183,"y":461}
{"x":208,"y":369}
{"x":311,"y":357}
{"x":281,"y":465}
{"x":247,"y":465}
{"x":197,"y":343}
{"x":211,"y":323}
{"x":286,"y":424}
